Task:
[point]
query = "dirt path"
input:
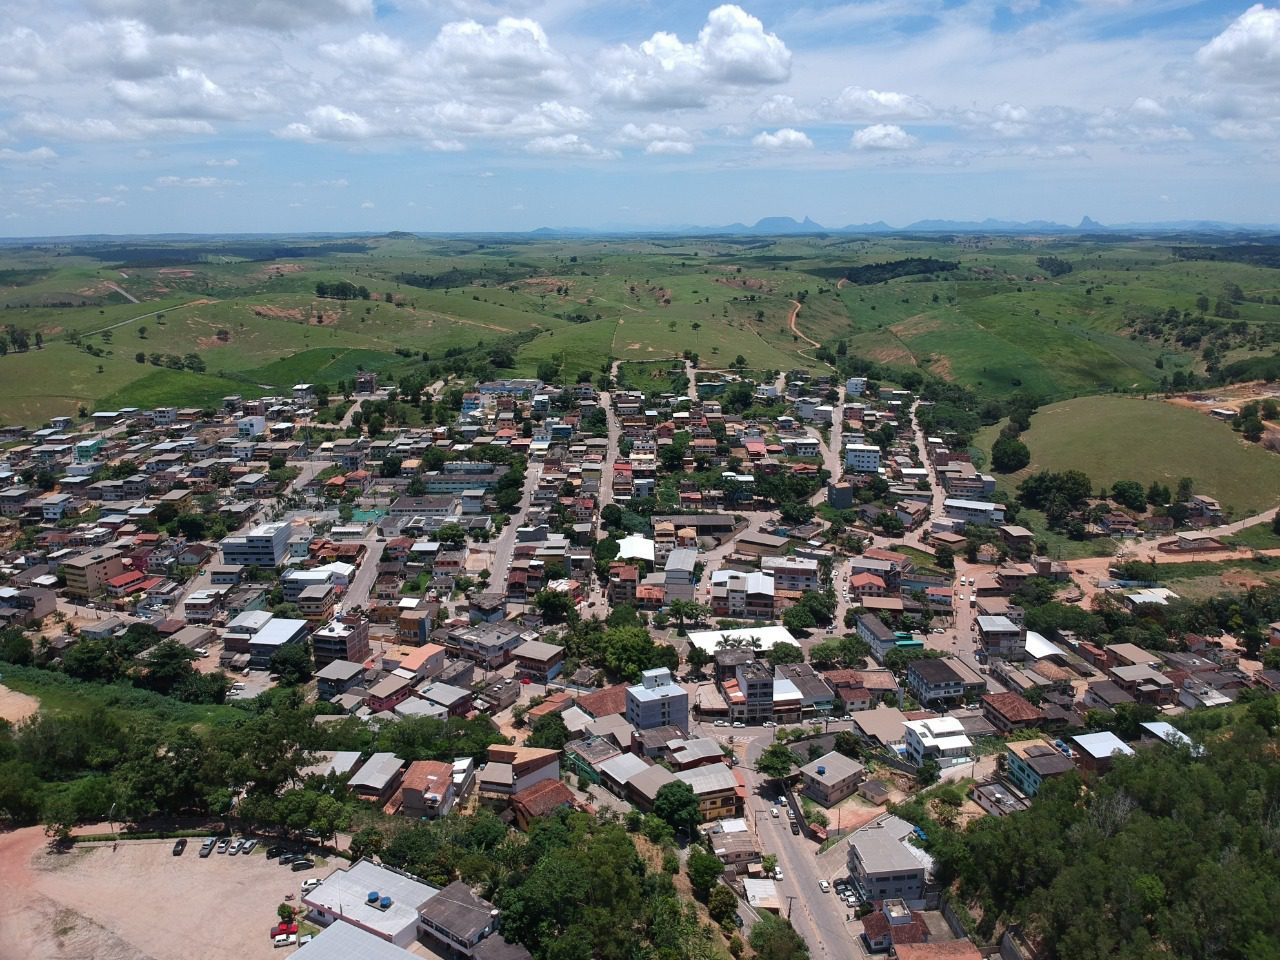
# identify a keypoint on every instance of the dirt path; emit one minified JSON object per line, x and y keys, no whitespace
{"x":791,"y":322}
{"x":16,"y":707}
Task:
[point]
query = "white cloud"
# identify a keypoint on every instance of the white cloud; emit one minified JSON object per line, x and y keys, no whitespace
{"x":272,"y":14}
{"x":228,"y":162}
{"x":635,"y":133}
{"x":861,"y":103}
{"x":182,"y":93}
{"x":23,"y":55}
{"x":1146,"y":107}
{"x":1243,"y":130}
{"x":784,"y":139}
{"x":513,"y":57}
{"x":202,"y":183}
{"x":1248,"y":50}
{"x":367,"y":51}
{"x":96,"y":129}
{"x":668,"y":147}
{"x":732,"y":52}
{"x":36,"y":155}
{"x":569,"y":145}
{"x":781,"y":108}
{"x":882,"y":136}
{"x":367,"y":205}
{"x":329,"y":123}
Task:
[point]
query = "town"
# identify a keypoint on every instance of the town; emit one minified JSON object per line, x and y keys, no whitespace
{"x":779,"y":628}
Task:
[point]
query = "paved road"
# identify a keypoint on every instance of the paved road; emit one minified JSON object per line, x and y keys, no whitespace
{"x":358,"y":590}
{"x":505,"y":544}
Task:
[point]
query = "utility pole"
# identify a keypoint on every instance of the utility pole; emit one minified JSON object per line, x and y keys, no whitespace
{"x":790,"y":901}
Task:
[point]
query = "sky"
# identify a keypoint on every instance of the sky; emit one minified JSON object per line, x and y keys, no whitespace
{"x":208,"y":116}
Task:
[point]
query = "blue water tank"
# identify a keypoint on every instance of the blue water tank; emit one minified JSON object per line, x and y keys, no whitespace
{"x":386,"y":902}
{"x":822,"y":771}
{"x":373,"y":896}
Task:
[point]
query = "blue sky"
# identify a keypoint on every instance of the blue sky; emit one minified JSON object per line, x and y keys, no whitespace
{"x":150,"y":116}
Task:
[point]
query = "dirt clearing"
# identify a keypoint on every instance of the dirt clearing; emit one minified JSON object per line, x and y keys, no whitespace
{"x":16,"y":707}
{"x":137,"y":902}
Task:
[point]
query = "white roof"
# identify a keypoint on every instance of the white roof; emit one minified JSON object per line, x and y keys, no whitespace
{"x":971,"y":504}
{"x":1169,"y":734}
{"x":345,"y":893}
{"x":623,"y":767}
{"x":342,"y":941}
{"x":636,"y":546}
{"x":764,"y":637}
{"x":761,"y":893}
{"x":1102,"y":744}
{"x":1039,"y":647}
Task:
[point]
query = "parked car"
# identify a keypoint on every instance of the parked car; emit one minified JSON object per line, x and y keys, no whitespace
{"x":249,"y":845}
{"x":777,"y":873}
{"x":738,"y":724}
{"x":300,"y":865}
{"x":223,"y":844}
{"x":773,"y":812}
{"x":179,"y":845}
{"x":824,"y":886}
{"x":795,"y":828}
{"x":236,"y":846}
{"x":274,"y":851}
{"x":206,"y":848}
{"x":722,"y":723}
{"x":284,"y":940}
{"x":310,"y":884}
{"x":288,"y":857}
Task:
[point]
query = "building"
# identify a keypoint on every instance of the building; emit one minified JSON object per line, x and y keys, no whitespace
{"x":458,"y":920}
{"x":945,"y":682}
{"x":374,"y":898}
{"x":337,"y":640}
{"x":939,"y":738}
{"x":657,"y":701}
{"x":540,"y":800}
{"x":87,"y":574}
{"x":883,"y":863}
{"x":376,"y":778}
{"x":1009,"y":712}
{"x":980,"y":513}
{"x":338,"y":677}
{"x":861,"y":458}
{"x":799,"y":574}
{"x":1095,"y":752}
{"x":1029,"y":763}
{"x":260,"y":635}
{"x":831,"y":778}
{"x":540,"y":662}
{"x":264,"y":546}
{"x":513,"y":769}
{"x":742,"y":595}
{"x":1002,"y":639}
{"x":718,"y":791}
{"x":749,"y":693}
{"x":425,"y":791}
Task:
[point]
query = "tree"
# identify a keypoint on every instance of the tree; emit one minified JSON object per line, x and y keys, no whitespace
{"x":928,"y":773}
{"x":722,"y":904}
{"x":697,"y":658}
{"x":549,"y":733}
{"x":687,"y":609}
{"x":781,"y":653}
{"x":555,"y":607}
{"x":798,"y":619}
{"x":292,"y":662}
{"x":1129,"y":493}
{"x":773,"y":938}
{"x":1009,"y":454}
{"x":704,"y":869}
{"x":776,"y":761}
{"x":677,"y":805}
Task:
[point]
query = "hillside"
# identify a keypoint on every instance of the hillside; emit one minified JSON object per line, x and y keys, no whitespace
{"x":1122,"y":438}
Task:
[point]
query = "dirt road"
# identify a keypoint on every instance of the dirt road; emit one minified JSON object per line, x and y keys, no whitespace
{"x":791,"y":322}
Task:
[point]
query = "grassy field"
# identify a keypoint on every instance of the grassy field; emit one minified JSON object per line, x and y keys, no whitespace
{"x":995,"y":323}
{"x":1120,"y":438}
{"x":1196,"y":581}
{"x":1259,"y":536}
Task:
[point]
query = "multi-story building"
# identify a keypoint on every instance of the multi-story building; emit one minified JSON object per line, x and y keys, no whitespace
{"x":742,"y":595}
{"x":1029,"y":763}
{"x":979,"y":513}
{"x":749,"y":693}
{"x":1001,"y":638}
{"x":799,"y":574}
{"x":716,"y":788}
{"x":938,"y":738}
{"x":264,"y":546}
{"x":657,"y":701}
{"x":861,"y":458}
{"x":88,"y":573}
{"x":341,"y":641}
{"x":944,"y":682}
{"x":883,"y":864}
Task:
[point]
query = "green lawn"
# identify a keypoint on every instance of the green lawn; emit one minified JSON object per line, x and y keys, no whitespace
{"x":1259,"y":536}
{"x":1119,"y":438}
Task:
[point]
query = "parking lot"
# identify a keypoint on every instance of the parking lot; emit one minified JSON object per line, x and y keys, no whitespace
{"x":139,"y":902}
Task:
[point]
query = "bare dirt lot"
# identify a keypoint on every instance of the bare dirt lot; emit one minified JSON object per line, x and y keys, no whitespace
{"x":137,"y":902}
{"x":16,"y":707}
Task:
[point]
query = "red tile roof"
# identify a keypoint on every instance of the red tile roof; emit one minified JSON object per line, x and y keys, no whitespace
{"x":1013,"y":707}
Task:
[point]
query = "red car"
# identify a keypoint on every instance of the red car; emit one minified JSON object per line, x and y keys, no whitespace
{"x":283,"y":927}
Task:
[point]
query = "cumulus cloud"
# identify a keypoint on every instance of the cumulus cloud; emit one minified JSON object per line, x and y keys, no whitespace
{"x":201,"y":183}
{"x":23,"y":56}
{"x":882,"y":136}
{"x":366,"y":51}
{"x":36,"y":155}
{"x":96,"y":129}
{"x":786,"y":138}
{"x":228,"y":162}
{"x":569,"y":145}
{"x":1248,"y":50}
{"x":732,"y":52}
{"x":512,"y":57}
{"x":271,"y":14}
{"x":183,"y":93}
{"x":780,"y":108}
{"x":668,"y":147}
{"x":861,"y":103}
{"x":328,"y":122}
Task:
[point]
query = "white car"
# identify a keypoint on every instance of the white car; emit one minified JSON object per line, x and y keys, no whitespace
{"x":773,"y":812}
{"x":824,"y":886}
{"x":284,"y":940}
{"x":722,"y":723}
{"x":777,"y":874}
{"x":738,"y":724}
{"x":311,"y":884}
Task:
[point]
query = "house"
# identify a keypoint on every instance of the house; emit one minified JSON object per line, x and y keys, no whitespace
{"x":938,"y":738}
{"x":1002,"y":638}
{"x":734,"y":844}
{"x":425,"y":791}
{"x":458,"y":920}
{"x":391,"y":916}
{"x":389,"y":692}
{"x":882,"y":727}
{"x":892,"y":927}
{"x":338,"y":640}
{"x":657,"y":701}
{"x":1008,"y":712}
{"x":883,"y":864}
{"x":338,"y":677}
{"x":539,"y":661}
{"x":831,"y":777}
{"x":1029,"y":763}
{"x":717,"y":788}
{"x":942,"y":682}
{"x":513,"y":769}
{"x":540,"y":800}
{"x":376,"y":778}
{"x":1095,"y":752}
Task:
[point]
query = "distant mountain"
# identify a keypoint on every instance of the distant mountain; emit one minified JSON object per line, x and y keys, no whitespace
{"x":878,"y":227}
{"x":782,"y":225}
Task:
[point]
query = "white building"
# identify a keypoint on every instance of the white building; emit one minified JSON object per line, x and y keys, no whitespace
{"x":657,"y":701}
{"x":862,"y":458}
{"x":349,"y":896}
{"x":263,"y":546}
{"x":939,"y":738}
{"x":980,"y":513}
{"x":792,"y":573}
{"x":855,"y":386}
